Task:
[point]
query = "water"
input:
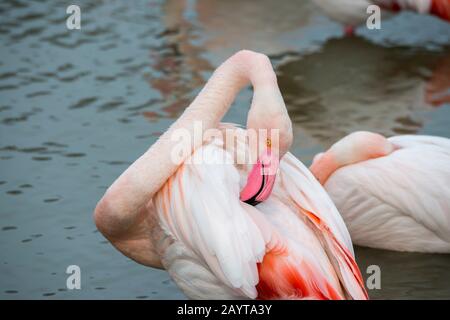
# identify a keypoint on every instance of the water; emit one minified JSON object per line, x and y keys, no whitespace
{"x":77,"y":107}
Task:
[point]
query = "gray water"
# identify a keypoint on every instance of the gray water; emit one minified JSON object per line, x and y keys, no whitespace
{"x":77,"y":107}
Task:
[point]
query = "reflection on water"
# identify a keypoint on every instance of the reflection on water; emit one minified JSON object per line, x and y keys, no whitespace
{"x":352,"y":84}
{"x":77,"y":107}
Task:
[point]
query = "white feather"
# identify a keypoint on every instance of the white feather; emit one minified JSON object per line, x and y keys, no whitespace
{"x":401,"y":201}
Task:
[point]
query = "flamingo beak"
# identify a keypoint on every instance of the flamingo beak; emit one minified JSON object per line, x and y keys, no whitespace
{"x":261,"y":179}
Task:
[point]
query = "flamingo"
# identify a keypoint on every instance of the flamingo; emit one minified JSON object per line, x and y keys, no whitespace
{"x":353,"y":13}
{"x":393,"y":193}
{"x":232,"y":231}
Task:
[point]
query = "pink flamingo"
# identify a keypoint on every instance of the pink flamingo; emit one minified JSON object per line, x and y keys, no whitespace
{"x":393,"y":193}
{"x":353,"y":13}
{"x":189,"y":218}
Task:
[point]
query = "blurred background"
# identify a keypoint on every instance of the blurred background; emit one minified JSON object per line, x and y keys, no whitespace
{"x":78,"y":106}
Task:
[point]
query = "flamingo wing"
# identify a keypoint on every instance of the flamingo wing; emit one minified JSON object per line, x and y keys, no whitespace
{"x":215,"y":245}
{"x":295,"y":266}
{"x":401,"y":201}
{"x":299,"y":189}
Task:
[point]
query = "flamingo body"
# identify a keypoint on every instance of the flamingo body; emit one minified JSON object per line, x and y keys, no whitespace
{"x":294,"y":245}
{"x":400,"y":201}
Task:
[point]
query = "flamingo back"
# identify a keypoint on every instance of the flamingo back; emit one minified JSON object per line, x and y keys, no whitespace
{"x":400,"y":201}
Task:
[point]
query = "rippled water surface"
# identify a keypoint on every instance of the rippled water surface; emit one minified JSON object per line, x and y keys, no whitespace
{"x":77,"y":107}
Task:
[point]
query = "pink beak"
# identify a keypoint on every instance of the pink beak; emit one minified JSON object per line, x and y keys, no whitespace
{"x":261,"y":179}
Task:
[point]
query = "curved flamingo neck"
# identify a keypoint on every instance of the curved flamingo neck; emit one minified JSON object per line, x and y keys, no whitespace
{"x":137,"y":185}
{"x":356,"y":147}
{"x":210,"y":106}
{"x":324,"y":167}
{"x":216,"y":97}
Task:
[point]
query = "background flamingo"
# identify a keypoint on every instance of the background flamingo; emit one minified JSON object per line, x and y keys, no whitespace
{"x":352,"y":13}
{"x":393,"y":193}
{"x":189,"y":219}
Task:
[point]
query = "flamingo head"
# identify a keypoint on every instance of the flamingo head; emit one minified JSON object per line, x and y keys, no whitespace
{"x":269,"y":121}
{"x":261,"y":179}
